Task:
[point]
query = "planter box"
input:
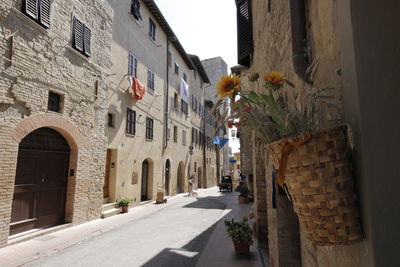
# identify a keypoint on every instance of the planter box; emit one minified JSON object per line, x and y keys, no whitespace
{"x":243,"y":200}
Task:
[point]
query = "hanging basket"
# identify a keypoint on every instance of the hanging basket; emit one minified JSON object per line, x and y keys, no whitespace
{"x":318,"y":178}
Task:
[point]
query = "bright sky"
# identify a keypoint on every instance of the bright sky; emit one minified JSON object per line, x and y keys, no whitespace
{"x":206,"y":28}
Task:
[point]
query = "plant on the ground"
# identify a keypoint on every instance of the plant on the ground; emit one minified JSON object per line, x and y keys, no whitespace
{"x":243,"y":189}
{"x":240,"y":232}
{"x":122,"y":202}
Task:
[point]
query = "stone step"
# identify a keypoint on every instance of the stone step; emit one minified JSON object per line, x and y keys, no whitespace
{"x":106,"y":200}
{"x":107,"y":206}
{"x":109,"y":213}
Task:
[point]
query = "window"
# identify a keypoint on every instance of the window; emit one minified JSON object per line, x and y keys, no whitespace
{"x":135,"y":9}
{"x":245,"y":32}
{"x":130,"y":121}
{"x":193,"y":137}
{"x":54,"y":101}
{"x":185,"y":77}
{"x":110,"y":120}
{"x":168,"y":134}
{"x":149,"y":128}
{"x":132,"y":70}
{"x":184,"y":137}
{"x":175,"y":101}
{"x":176,"y":68}
{"x":150,"y":80}
{"x":82,"y":38}
{"x":184,"y":107}
{"x":175,"y":134}
{"x":233,"y":133}
{"x":195,"y":166}
{"x":152,"y":29}
{"x":39,"y":11}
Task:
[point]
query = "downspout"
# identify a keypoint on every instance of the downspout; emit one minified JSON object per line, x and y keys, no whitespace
{"x":165,"y":139}
{"x":205,"y":136}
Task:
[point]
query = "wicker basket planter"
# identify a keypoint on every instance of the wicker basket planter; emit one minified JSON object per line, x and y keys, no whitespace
{"x":315,"y":169}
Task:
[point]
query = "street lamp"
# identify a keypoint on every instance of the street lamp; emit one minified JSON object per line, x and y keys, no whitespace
{"x":190,"y":150}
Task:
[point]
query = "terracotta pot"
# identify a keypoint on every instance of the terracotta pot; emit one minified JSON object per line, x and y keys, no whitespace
{"x":124,"y":209}
{"x":242,"y":248}
{"x":243,"y":200}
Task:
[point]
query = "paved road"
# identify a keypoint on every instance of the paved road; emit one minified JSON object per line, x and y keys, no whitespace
{"x":172,"y":236}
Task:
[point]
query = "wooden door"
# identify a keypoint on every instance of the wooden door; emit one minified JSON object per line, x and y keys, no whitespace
{"x":106,"y":186}
{"x":40,"y":188}
{"x":167,"y":176}
{"x":145,"y":179}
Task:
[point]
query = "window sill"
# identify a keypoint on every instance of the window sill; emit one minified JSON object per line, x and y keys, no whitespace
{"x":150,"y":91}
{"x":149,"y":140}
{"x":130,"y":135}
{"x":30,"y":21}
{"x":76,"y":52}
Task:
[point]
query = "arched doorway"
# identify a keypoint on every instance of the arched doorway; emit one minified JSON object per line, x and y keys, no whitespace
{"x":167,"y":176}
{"x":40,"y":181}
{"x":180,"y":180}
{"x":145,"y":181}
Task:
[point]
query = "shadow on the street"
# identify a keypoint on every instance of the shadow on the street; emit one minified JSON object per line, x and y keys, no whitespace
{"x":188,"y":255}
{"x":207,"y":203}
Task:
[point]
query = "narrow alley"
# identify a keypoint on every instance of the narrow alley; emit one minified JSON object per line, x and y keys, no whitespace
{"x":186,"y":231}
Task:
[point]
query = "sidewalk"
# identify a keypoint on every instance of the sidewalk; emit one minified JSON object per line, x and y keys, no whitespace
{"x":219,"y":250}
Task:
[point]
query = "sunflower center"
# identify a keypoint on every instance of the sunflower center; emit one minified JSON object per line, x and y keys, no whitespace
{"x":229,"y":86}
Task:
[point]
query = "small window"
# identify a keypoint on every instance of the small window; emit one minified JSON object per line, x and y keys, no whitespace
{"x":152,"y":29}
{"x":39,"y":11}
{"x":193,"y":137}
{"x":175,"y":134}
{"x":54,"y":102}
{"x":195,"y":74}
{"x":111,"y":120}
{"x":184,"y":137}
{"x":135,"y":9}
{"x":82,"y":37}
{"x":175,"y":101}
{"x":149,"y":128}
{"x":233,"y":133}
{"x":150,"y":80}
{"x":168,"y":134}
{"x":130,"y":121}
{"x":132,"y":71}
{"x":184,"y":107}
{"x":176,"y":68}
{"x":195,"y":166}
{"x":185,"y":77}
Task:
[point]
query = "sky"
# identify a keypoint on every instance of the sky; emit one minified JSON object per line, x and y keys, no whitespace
{"x":206,"y":28}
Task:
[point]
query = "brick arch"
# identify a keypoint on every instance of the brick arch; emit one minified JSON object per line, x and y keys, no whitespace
{"x":62,"y":125}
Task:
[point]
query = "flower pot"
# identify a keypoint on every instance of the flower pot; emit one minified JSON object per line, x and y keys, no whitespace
{"x":315,"y":168}
{"x":124,"y":209}
{"x":243,"y":200}
{"x":242,"y":248}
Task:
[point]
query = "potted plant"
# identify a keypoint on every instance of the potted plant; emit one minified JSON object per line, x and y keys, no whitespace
{"x":313,"y":165}
{"x":123,"y":203}
{"x":244,"y":191}
{"x":241,"y":234}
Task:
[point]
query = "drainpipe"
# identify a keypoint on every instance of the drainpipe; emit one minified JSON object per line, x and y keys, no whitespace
{"x":205,"y":136}
{"x":165,"y":139}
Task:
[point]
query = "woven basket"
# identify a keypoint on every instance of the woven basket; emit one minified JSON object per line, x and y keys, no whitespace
{"x":321,"y":186}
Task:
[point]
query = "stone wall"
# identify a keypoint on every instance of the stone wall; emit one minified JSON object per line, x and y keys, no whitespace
{"x":35,"y":61}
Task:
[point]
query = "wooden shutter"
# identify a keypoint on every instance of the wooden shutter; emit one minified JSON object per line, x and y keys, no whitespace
{"x":244,"y":32}
{"x":45,"y":10}
{"x":87,"y":40}
{"x":31,"y":8}
{"x":78,"y":35}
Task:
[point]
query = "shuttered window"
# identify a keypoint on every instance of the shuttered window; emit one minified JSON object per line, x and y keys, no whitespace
{"x":150,"y":80}
{"x":135,"y":9}
{"x":132,"y":71}
{"x":82,"y":37}
{"x":39,"y":11}
{"x":152,"y":29}
{"x":184,"y":137}
{"x":130,"y":121}
{"x":149,"y":128}
{"x":244,"y":32}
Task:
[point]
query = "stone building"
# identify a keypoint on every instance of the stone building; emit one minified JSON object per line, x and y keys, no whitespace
{"x":149,"y":148}
{"x":55,"y":64}
{"x":326,"y":46}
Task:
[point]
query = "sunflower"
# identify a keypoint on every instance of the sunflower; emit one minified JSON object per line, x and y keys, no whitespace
{"x":274,"y":78}
{"x":228,"y":85}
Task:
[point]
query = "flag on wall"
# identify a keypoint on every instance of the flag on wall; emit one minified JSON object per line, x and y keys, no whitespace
{"x":184,"y":91}
{"x":136,"y":88}
{"x":223,"y":141}
{"x":216,"y":140}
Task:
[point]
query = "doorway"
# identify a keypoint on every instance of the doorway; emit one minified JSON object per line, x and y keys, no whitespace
{"x":106,"y":186}
{"x":179,"y":180}
{"x":145,"y":181}
{"x":167,"y":176}
{"x":40,"y":182}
